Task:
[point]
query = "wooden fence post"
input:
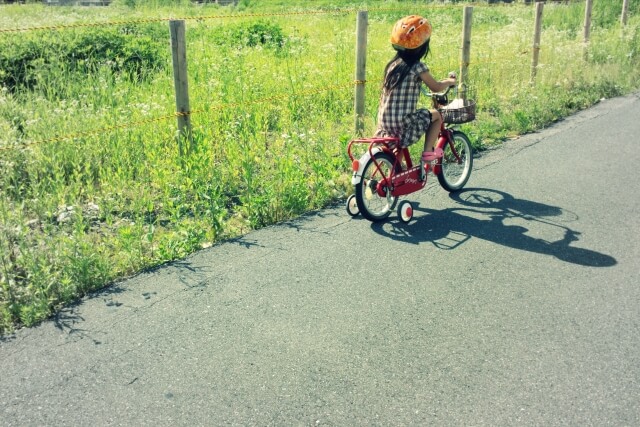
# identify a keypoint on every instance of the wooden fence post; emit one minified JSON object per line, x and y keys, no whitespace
{"x":625,"y":12}
{"x":465,"y":58}
{"x":586,"y":33}
{"x":536,"y":41}
{"x":361,"y":69}
{"x":181,"y":82}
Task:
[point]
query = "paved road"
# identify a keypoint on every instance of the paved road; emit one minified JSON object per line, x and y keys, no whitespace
{"x":515,"y":303}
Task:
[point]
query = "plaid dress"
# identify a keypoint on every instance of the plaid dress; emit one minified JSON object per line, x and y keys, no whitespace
{"x":397,"y":114}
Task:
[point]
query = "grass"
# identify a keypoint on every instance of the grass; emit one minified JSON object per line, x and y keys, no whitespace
{"x":273,"y":115}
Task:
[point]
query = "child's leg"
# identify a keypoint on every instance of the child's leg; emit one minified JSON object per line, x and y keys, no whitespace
{"x":430,"y":138}
{"x":434,"y":129}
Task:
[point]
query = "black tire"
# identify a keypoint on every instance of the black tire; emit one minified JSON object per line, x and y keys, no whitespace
{"x":454,"y":174}
{"x":371,"y":205}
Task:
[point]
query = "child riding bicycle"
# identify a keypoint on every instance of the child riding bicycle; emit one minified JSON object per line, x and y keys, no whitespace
{"x":403,"y":77}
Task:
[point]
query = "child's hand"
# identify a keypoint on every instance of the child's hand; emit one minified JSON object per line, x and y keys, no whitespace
{"x":452,"y":78}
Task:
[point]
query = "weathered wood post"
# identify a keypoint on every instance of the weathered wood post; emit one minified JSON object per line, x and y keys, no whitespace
{"x":536,"y":41}
{"x":586,"y":33}
{"x":625,"y":12}
{"x":361,"y":69}
{"x":181,"y":83}
{"x":465,"y":57}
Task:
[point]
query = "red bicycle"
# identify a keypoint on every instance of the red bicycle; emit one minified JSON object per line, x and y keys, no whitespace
{"x":382,"y":174}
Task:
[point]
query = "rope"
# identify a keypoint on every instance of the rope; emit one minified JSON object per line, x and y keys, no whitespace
{"x":208,"y":17}
{"x":178,"y":114}
{"x":189,"y":18}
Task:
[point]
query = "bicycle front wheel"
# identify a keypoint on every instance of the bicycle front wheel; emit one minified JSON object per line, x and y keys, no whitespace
{"x":373,"y":197}
{"x":456,"y":163}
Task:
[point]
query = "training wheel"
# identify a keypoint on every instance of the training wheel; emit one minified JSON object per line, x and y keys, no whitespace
{"x":352,"y":206}
{"x":405,"y":211}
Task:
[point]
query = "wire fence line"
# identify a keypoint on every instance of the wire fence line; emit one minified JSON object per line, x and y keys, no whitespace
{"x":182,"y":114}
{"x":156,"y":20}
{"x":190,"y":112}
{"x":220,"y":107}
{"x":336,"y":11}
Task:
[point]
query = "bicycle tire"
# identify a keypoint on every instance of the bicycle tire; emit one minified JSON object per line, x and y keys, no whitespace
{"x":371,"y":205}
{"x":454,"y":174}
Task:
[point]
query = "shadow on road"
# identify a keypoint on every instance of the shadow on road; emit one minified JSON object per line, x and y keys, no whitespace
{"x":483,"y":214}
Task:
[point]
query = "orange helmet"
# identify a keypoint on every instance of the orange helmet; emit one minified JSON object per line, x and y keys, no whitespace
{"x":410,"y":32}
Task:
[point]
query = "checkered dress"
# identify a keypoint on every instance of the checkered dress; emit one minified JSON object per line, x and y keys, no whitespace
{"x":397,"y":114}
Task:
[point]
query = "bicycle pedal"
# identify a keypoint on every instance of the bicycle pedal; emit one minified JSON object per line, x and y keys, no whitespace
{"x":368,"y":193}
{"x":428,"y":156}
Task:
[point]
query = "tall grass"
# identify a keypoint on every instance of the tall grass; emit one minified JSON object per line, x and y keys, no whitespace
{"x":79,"y":213}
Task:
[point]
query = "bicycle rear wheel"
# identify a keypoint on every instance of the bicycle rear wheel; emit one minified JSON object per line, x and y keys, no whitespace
{"x":373,"y":206}
{"x":455,"y":171}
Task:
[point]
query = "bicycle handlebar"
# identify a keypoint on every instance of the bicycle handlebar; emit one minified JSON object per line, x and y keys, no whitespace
{"x":425,"y":92}
{"x":453,"y":75}
{"x":440,"y":99}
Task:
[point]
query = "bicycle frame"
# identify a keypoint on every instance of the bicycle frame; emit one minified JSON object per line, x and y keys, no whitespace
{"x":445,"y":137}
{"x":402,"y":180}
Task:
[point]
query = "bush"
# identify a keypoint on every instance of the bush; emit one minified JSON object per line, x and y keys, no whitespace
{"x":253,"y":34}
{"x":30,"y":60}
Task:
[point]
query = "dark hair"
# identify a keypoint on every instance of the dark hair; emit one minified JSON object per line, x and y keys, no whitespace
{"x":409,"y":58}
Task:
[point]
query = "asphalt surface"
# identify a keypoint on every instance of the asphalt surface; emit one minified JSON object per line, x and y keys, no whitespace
{"x":516,"y":302}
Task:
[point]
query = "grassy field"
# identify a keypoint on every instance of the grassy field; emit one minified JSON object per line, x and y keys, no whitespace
{"x":93,"y":188}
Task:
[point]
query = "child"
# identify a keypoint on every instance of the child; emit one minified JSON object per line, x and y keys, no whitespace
{"x":403,"y":76}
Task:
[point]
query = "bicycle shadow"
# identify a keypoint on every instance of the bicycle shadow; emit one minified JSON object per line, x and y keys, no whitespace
{"x":483,"y":214}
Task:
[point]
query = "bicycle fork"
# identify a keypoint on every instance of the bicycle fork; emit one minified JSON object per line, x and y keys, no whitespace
{"x":445,"y":139}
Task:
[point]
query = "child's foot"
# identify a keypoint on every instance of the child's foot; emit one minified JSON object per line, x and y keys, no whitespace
{"x":428,"y":156}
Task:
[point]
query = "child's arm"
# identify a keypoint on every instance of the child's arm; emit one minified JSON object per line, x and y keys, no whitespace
{"x":435,"y":85}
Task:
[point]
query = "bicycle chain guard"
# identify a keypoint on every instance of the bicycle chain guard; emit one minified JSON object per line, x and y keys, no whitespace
{"x":407,"y":182}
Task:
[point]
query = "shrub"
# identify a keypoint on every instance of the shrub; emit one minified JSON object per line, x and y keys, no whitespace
{"x":260,"y":33}
{"x":27,"y":62}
